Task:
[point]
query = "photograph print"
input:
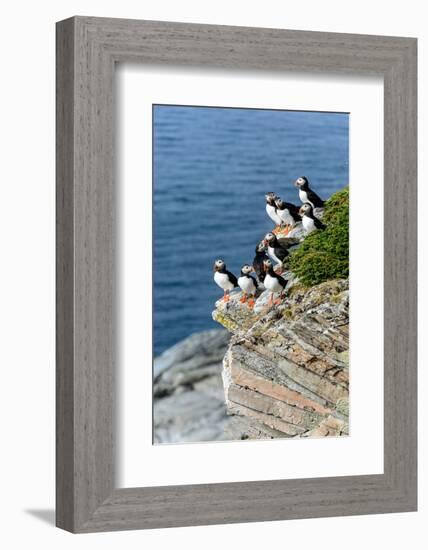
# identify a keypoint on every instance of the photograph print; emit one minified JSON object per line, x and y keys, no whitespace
{"x":250,"y":274}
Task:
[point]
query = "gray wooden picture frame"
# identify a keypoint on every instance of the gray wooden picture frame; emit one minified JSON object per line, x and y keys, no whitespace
{"x":87,"y":51}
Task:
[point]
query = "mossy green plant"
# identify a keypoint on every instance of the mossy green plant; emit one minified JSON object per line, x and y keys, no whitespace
{"x":324,"y":255}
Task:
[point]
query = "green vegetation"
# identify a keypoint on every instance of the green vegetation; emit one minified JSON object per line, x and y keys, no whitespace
{"x":324,"y":255}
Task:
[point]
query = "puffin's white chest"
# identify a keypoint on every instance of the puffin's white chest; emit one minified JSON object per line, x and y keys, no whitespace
{"x":308,"y":224}
{"x":286,"y":217}
{"x":271,"y":212}
{"x":247,"y":285}
{"x":223,"y":281}
{"x":272,"y":283}
{"x":304,"y":197}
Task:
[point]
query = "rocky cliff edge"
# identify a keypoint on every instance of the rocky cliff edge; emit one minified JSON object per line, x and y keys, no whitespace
{"x":285,"y":372}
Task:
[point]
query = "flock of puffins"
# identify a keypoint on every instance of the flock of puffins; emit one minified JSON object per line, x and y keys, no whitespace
{"x":270,"y":250}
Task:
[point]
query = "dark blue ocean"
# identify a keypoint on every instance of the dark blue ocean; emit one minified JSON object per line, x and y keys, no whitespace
{"x":212,"y":168}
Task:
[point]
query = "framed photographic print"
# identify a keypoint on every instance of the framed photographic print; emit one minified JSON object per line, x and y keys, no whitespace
{"x":236,"y":274}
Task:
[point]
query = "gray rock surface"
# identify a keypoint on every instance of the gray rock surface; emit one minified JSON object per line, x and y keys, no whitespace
{"x":189,"y":402}
{"x":198,"y":349}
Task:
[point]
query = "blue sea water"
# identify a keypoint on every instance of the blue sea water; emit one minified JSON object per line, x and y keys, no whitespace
{"x":212,"y":168}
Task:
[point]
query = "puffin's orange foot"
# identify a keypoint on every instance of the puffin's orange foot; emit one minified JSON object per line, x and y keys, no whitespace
{"x":251,"y":303}
{"x":227,"y":298}
{"x":243,"y":299}
{"x":278,"y":301}
{"x":270,"y":302}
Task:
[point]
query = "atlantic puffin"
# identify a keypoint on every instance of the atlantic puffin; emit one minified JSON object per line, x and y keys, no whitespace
{"x":276,"y":251}
{"x":248,"y":284}
{"x":225,"y":279}
{"x":274,"y":282}
{"x":309,"y":220}
{"x":271,"y":209}
{"x":306,"y":194}
{"x":259,"y":258}
{"x":287,"y":212}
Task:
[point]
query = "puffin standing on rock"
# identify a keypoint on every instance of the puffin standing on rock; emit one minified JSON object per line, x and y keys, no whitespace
{"x":248,"y":284}
{"x":306,"y":194}
{"x":271,"y":209}
{"x":287,"y":212}
{"x":274,"y":282}
{"x":225,"y":279}
{"x":309,"y":220}
{"x":276,"y":251}
{"x":259,"y":258}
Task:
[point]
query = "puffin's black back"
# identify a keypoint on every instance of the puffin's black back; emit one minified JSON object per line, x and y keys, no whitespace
{"x":281,"y":251}
{"x":317,"y":222}
{"x":293,"y":209}
{"x":232,"y":278}
{"x":314,"y":198}
{"x":259,"y":258}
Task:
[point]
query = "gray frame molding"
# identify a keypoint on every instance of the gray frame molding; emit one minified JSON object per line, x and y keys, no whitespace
{"x":87,"y":50}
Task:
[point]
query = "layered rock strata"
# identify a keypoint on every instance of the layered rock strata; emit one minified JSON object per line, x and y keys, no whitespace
{"x":285,"y":372}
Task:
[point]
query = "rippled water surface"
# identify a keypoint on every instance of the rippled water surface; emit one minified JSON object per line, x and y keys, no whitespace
{"x":212,"y":167}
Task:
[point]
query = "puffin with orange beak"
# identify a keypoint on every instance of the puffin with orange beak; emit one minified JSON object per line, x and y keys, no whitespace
{"x":258,"y":260}
{"x":309,"y":221}
{"x":306,"y":194}
{"x":288,"y":213}
{"x":276,"y":251}
{"x":224,"y":279}
{"x":274,"y":283}
{"x":271,"y":210}
{"x":248,"y":284}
